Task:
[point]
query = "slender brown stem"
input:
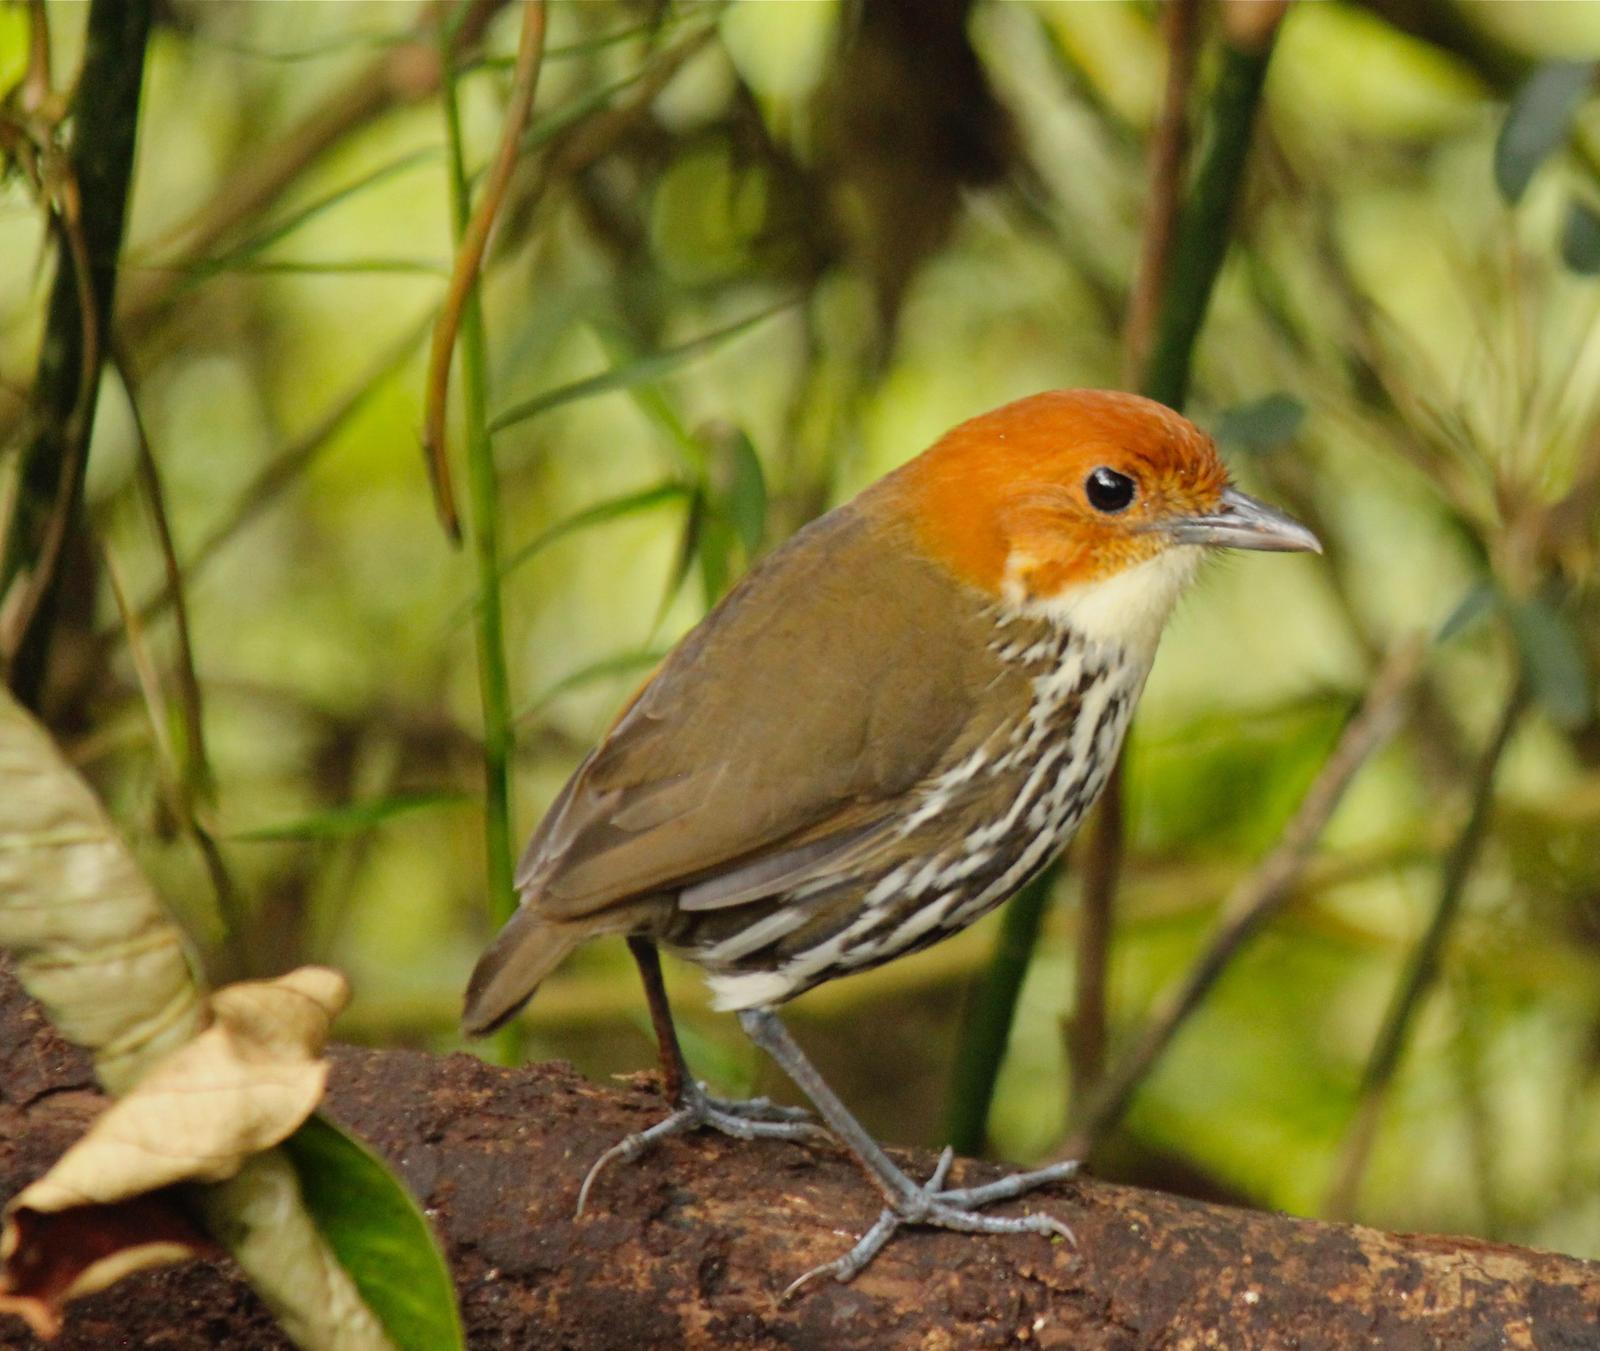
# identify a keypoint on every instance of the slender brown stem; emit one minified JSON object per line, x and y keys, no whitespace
{"x":1102,"y":859}
{"x":408,"y":73}
{"x":469,"y":258}
{"x":1263,"y":894}
{"x":230,"y":913}
{"x":196,"y":764}
{"x":1169,"y":153}
{"x":34,"y":91}
{"x":1390,"y":1044}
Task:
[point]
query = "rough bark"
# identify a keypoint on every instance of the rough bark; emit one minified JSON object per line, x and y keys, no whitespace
{"x":690,"y":1246}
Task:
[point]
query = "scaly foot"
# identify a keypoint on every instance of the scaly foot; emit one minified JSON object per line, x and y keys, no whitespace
{"x":932,"y":1205}
{"x":744,"y":1119}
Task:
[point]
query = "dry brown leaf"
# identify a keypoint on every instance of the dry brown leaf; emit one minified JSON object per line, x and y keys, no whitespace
{"x":202,"y":1114}
{"x":63,"y":1256}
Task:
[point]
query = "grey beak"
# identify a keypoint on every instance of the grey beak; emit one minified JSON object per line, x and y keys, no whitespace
{"x":1241,"y":522}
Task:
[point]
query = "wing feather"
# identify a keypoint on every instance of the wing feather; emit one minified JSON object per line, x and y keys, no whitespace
{"x":877,"y":661}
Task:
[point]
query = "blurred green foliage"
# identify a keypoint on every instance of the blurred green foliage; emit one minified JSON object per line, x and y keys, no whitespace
{"x":716,"y":310}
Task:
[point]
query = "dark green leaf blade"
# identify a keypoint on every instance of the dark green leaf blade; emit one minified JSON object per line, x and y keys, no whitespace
{"x":1580,"y":239}
{"x":1537,"y":122}
{"x":380,"y":1236}
{"x":1479,"y":600}
{"x":623,"y":663}
{"x":643,"y":370}
{"x":745,"y":501}
{"x":352,"y":818}
{"x":1557,"y":666}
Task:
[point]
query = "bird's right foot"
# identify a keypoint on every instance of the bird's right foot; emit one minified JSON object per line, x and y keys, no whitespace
{"x":742,"y":1118}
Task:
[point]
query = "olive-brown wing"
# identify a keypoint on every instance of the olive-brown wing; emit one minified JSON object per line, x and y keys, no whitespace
{"x":789,"y":726}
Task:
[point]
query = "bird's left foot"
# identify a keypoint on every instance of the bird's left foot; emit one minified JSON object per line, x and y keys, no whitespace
{"x":742,"y":1118}
{"x":956,"y":1208}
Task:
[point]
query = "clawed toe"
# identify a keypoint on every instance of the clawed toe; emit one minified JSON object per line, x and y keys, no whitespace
{"x":933,"y":1206}
{"x":744,"y":1119}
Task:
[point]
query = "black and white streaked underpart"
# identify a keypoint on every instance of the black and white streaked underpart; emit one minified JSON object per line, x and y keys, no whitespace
{"x":976,"y":833}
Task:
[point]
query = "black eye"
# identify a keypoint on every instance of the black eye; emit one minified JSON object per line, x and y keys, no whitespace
{"x":1108,"y":490}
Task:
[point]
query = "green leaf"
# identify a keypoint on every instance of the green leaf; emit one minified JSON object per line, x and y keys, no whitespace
{"x":620,"y":664}
{"x":715,"y":548}
{"x":1557,"y":665}
{"x":263,"y":239}
{"x":1479,"y":600}
{"x":612,"y":509}
{"x":380,"y":1236}
{"x":652,"y":402}
{"x":1260,"y":425}
{"x":1537,"y":122}
{"x":1580,"y":239}
{"x":640,"y":371}
{"x":354,"y":818}
{"x":747,"y":494}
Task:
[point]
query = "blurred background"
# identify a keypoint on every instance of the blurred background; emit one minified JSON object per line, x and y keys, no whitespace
{"x":753,"y":256}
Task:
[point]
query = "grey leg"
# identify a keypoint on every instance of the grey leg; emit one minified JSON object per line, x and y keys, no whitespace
{"x":693,"y":1107}
{"x":909,"y":1202}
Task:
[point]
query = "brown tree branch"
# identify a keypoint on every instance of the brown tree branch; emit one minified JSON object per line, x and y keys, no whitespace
{"x":688,"y":1247}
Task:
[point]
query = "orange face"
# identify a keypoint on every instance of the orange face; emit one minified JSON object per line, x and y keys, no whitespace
{"x":1072,"y":487}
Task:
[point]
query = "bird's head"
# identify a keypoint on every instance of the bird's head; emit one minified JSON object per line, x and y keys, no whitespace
{"x":1088,"y":506}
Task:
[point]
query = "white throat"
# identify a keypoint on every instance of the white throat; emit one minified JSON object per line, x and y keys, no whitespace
{"x":1127,"y":610}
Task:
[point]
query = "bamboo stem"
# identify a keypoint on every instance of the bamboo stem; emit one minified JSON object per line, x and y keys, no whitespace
{"x":483,"y":498}
{"x":90,"y":215}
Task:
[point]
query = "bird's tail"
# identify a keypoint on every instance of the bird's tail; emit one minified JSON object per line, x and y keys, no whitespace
{"x":527,"y":950}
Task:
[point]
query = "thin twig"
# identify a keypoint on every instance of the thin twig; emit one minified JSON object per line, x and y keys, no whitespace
{"x":469,"y":258}
{"x":1424,"y":968}
{"x":230,"y":913}
{"x":1263,"y":894}
{"x":196,"y":764}
{"x":1168,"y":158}
{"x":1102,"y":858}
{"x":35,"y":89}
{"x":408,"y":73}
{"x":275,"y":477}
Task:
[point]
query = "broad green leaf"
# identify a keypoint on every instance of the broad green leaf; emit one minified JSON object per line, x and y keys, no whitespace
{"x":1580,"y":239}
{"x":642,"y":370}
{"x":623,"y":664}
{"x":353,"y":818}
{"x":379,"y":1234}
{"x":1537,"y":122}
{"x":1557,"y":666}
{"x":1262,"y":424}
{"x":261,"y":1217}
{"x":1479,"y":600}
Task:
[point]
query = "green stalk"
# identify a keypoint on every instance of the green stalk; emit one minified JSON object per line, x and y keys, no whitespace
{"x":1204,"y":230}
{"x":986,"y":1026}
{"x":1200,"y":245}
{"x":483,"y":496}
{"x":105,"y":113}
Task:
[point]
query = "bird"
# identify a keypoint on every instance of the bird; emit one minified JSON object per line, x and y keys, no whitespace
{"x":895,"y":719}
